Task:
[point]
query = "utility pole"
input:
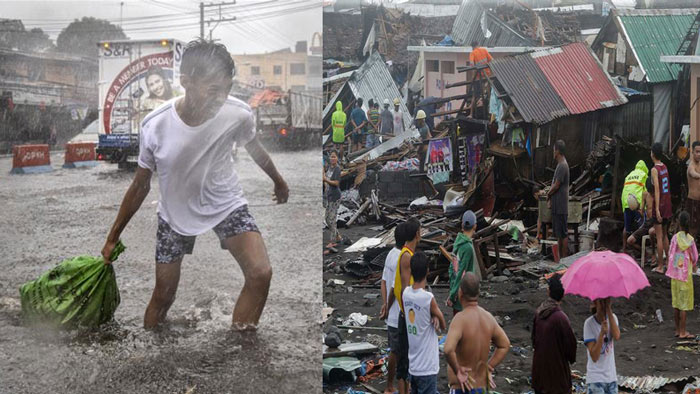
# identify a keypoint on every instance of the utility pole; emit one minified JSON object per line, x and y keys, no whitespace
{"x":202,"y":6}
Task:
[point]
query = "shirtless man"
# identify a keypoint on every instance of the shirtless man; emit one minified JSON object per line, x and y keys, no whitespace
{"x":468,"y":342}
{"x":692,"y":204}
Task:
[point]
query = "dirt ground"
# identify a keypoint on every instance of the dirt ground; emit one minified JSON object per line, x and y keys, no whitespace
{"x":49,"y":217}
{"x":646,"y":347}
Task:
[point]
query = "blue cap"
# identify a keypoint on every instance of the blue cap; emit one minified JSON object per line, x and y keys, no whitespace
{"x":468,"y":219}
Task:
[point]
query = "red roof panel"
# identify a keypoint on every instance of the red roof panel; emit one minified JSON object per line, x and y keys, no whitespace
{"x":578,"y":78}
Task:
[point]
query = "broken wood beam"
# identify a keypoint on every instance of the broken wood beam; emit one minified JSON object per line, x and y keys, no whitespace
{"x":359,"y":212}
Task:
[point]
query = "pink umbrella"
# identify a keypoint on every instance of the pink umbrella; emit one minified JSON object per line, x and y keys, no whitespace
{"x":604,"y":274}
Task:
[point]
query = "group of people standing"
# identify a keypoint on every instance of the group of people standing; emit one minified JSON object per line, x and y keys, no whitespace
{"x":646,"y":201}
{"x":414,"y":318}
{"x":365,"y":128}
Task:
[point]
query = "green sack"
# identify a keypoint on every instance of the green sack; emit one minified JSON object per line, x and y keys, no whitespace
{"x":81,"y":291}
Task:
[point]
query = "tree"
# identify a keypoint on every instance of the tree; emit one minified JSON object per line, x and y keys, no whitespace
{"x":81,"y":36}
{"x":14,"y":36}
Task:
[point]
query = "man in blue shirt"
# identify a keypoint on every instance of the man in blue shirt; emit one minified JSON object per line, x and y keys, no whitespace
{"x":358,"y":119}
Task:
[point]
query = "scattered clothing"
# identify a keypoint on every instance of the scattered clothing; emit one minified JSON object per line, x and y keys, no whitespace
{"x":603,"y":370}
{"x":554,"y":346}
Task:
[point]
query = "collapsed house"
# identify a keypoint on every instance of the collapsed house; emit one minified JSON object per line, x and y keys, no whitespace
{"x":371,"y":80}
{"x":630,"y":45}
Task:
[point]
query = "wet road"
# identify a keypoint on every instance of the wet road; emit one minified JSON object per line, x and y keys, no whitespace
{"x":49,"y":217}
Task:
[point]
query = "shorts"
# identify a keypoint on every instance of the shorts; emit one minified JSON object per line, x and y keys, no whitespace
{"x":402,"y":353}
{"x":682,"y":293}
{"x":424,"y":384}
{"x":171,"y":246}
{"x":372,"y":141}
{"x":633,"y":220}
{"x":393,"y":336}
{"x":643,"y":229}
{"x":693,"y":208}
{"x":472,"y":391}
{"x":559,"y":227}
{"x":356,"y":138}
{"x":601,"y":388}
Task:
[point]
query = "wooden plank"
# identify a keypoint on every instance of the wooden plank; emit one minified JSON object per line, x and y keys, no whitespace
{"x":359,"y":212}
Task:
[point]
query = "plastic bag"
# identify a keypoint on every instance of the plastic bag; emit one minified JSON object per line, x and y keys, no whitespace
{"x":81,"y":291}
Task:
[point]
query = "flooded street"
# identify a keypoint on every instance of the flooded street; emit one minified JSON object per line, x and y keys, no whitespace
{"x":47,"y":218}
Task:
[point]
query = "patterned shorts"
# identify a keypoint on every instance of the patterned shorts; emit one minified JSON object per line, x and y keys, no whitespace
{"x":171,"y":246}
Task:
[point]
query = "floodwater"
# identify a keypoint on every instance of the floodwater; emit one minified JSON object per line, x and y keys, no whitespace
{"x":50,"y":217}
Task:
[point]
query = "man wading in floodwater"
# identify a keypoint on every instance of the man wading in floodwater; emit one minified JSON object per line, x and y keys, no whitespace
{"x":188,"y":141}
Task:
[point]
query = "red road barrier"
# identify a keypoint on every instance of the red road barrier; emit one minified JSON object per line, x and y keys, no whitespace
{"x":80,"y":151}
{"x":30,"y":158}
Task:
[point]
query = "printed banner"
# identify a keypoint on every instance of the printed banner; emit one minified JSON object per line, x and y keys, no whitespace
{"x":439,"y":160}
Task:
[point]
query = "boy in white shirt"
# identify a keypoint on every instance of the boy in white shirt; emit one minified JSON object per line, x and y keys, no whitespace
{"x":188,"y":141}
{"x":421,"y":308}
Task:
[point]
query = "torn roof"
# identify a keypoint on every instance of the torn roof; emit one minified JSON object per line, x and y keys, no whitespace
{"x":371,"y":81}
{"x":552,"y":83}
{"x":468,"y":27}
{"x":651,"y":34}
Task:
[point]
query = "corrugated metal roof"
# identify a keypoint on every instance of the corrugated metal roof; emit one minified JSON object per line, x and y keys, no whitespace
{"x":654,"y":33}
{"x":467,"y":27}
{"x":548,"y":84}
{"x":578,"y":78}
{"x":371,"y":81}
{"x":528,"y":88}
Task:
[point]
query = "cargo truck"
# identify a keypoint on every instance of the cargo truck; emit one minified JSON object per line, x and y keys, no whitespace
{"x":135,"y":76}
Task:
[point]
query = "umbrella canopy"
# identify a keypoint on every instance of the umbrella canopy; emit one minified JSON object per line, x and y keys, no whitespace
{"x":604,"y":274}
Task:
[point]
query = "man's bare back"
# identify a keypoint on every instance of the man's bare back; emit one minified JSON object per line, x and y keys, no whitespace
{"x":469,"y":340}
{"x":693,"y":182}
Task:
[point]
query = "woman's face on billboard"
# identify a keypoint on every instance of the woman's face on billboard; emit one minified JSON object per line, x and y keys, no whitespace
{"x":155,"y":85}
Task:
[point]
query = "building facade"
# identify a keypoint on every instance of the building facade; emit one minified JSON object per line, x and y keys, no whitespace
{"x":281,"y":70}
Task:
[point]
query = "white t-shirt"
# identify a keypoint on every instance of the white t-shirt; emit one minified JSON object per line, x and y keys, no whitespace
{"x":398,"y":121}
{"x":423,"y":352}
{"x":388,"y":275}
{"x":198,"y":184}
{"x":602,"y":371}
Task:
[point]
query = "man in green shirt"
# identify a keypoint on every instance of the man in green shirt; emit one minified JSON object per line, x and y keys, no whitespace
{"x":464,"y":250}
{"x":374,"y":119}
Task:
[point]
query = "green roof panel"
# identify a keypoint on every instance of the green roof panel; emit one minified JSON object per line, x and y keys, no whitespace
{"x":653,"y":35}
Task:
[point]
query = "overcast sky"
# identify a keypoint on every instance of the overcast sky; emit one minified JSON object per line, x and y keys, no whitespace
{"x":260,"y":26}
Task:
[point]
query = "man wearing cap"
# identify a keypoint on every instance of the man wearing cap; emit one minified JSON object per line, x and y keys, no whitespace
{"x":463,"y":249}
{"x":398,"y":117}
{"x":387,"y":120}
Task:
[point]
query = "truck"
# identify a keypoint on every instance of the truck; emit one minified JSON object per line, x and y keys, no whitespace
{"x":288,"y":120}
{"x":135,"y":76}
